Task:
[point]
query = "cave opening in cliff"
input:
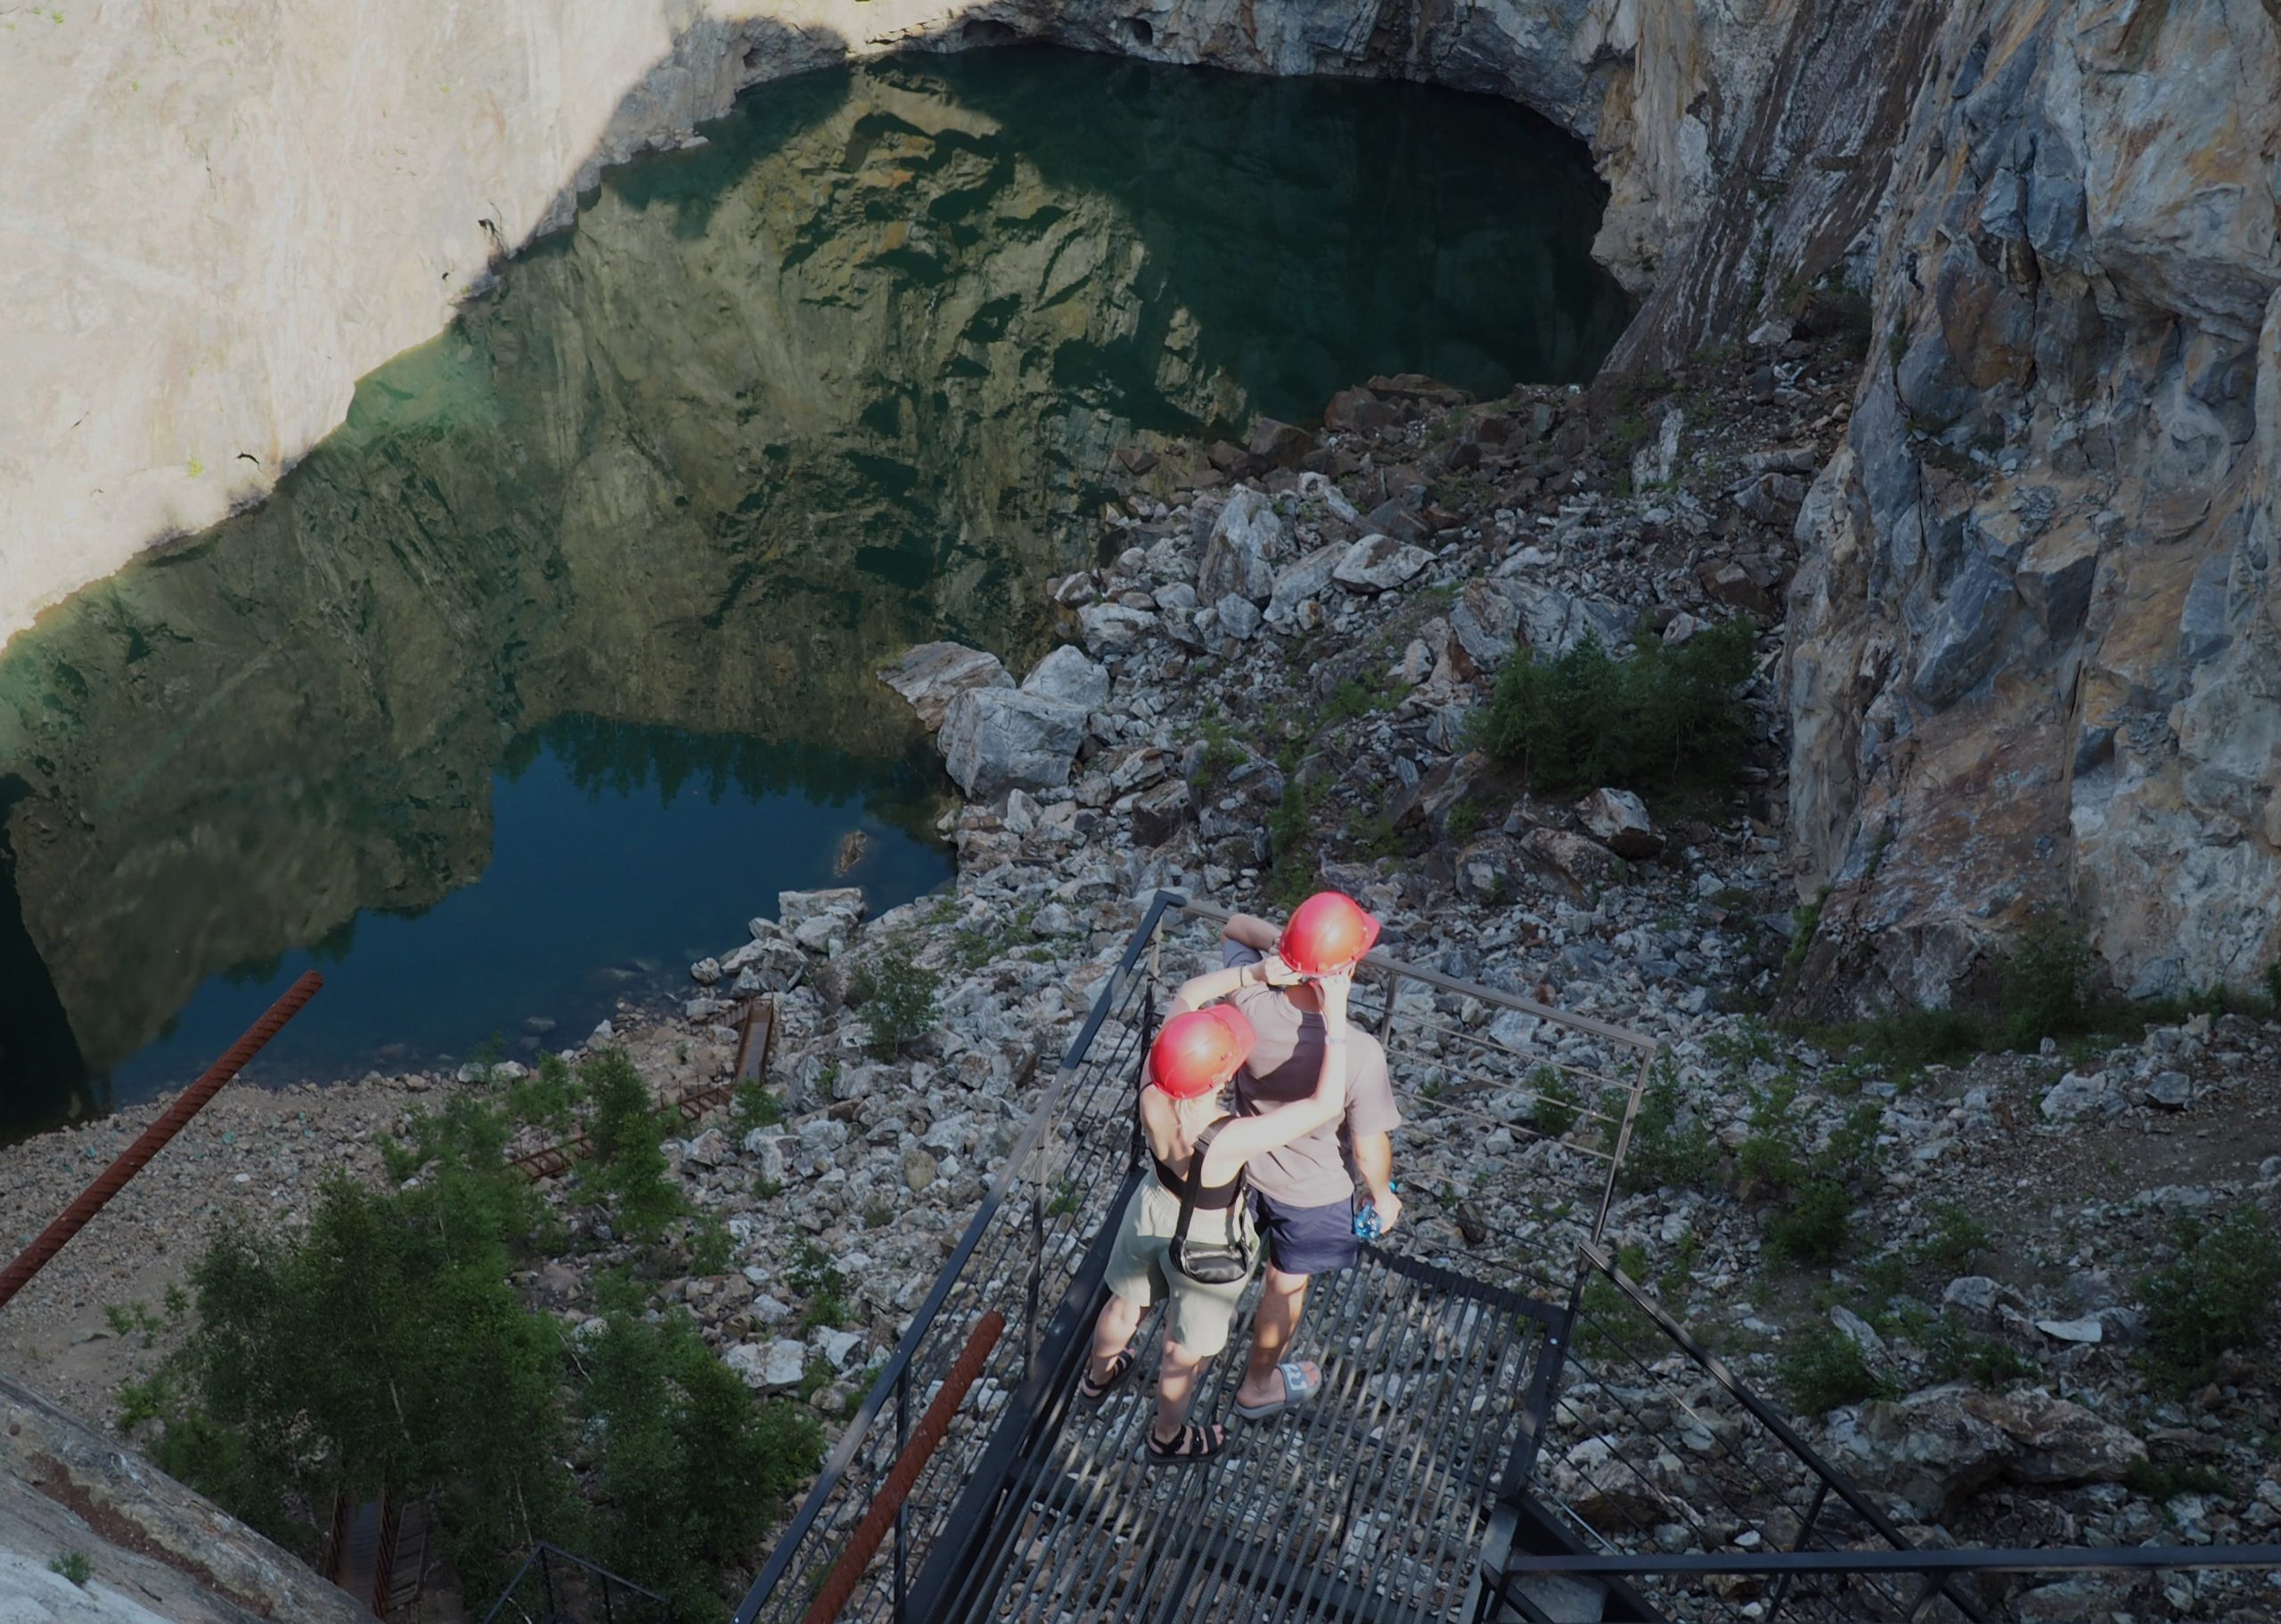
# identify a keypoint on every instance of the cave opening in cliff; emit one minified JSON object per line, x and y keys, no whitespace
{"x":848,"y":376}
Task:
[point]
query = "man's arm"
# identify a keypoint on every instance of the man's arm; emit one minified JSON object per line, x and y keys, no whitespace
{"x":1251,"y":931}
{"x":1198,"y":991}
{"x":1374,"y":1160}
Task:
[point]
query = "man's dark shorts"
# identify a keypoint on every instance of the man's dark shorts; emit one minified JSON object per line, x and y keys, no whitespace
{"x":1308,"y":1240}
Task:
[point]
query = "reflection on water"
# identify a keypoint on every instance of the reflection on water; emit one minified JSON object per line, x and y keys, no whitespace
{"x":558,"y":655}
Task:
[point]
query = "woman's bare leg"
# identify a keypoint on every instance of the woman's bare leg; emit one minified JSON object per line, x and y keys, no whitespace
{"x":1112,"y":1335}
{"x":1175,"y":1388}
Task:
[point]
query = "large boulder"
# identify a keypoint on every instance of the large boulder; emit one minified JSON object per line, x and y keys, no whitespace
{"x":1379,"y":564}
{"x":995,"y":739}
{"x":1159,"y":813}
{"x":2057,"y":1443}
{"x":1067,"y":675}
{"x":1927,"y":1450}
{"x":1618,"y":820}
{"x":1112,"y":628}
{"x":1240,"y":557}
{"x":933,"y":674}
{"x":1580,"y":864}
{"x":1935,"y":1448}
{"x":769,"y":1367}
{"x":821,"y":921}
{"x":1296,"y":583}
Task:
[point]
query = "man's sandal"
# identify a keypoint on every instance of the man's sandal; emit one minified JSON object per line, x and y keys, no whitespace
{"x":1191,"y":1446}
{"x":1120,"y":1367}
{"x":1299,"y":1385}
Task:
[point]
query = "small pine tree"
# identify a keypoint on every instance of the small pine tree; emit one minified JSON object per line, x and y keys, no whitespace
{"x":628,"y":1172}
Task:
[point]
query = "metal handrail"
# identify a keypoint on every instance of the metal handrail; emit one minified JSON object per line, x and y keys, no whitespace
{"x":1377,"y":959}
{"x":894,"y":1384}
{"x":544,"y":1555}
{"x":1762,"y":1412}
{"x":1397,"y":970}
{"x":1916,"y":1559}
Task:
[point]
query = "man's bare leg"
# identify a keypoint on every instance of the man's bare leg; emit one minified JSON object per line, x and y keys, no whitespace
{"x":1282,"y":1299}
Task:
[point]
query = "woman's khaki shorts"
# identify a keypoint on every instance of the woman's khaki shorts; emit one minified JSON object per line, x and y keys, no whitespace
{"x":1141,"y":1269}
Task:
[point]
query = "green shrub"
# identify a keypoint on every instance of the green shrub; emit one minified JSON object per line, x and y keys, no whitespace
{"x":546,"y":1096}
{"x":897,"y":994}
{"x":2047,"y":983}
{"x":1554,"y":1109}
{"x":2168,"y":1480}
{"x":381,"y":1344}
{"x":1955,"y":1353}
{"x":628,"y":1172}
{"x":1908,"y":1039}
{"x":1957,"y":1240}
{"x":710,"y":1244}
{"x":2209,"y":1300}
{"x":1815,"y":1226}
{"x":1663,"y":1151}
{"x":1822,"y":1369}
{"x":1291,"y":875}
{"x":755,"y":1106}
{"x":74,"y":1566}
{"x":814,"y":1277}
{"x":1663,"y":717}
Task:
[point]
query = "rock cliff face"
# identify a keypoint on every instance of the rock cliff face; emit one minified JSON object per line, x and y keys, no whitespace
{"x":2035,"y":653}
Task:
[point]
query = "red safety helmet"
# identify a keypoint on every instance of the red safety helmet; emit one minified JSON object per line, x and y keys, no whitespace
{"x":1328,"y":932}
{"x":1198,"y":1051}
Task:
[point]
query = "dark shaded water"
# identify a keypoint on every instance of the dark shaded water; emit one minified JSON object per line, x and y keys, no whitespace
{"x":554,"y":664}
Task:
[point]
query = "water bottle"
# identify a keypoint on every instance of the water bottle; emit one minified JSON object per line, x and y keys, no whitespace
{"x":1366,"y":1216}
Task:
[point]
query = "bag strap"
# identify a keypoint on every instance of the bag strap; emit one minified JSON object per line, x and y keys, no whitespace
{"x":1194,"y":1180}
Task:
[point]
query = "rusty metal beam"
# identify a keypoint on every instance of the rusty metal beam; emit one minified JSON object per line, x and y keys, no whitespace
{"x":840,"y":1583}
{"x":153,"y":1138}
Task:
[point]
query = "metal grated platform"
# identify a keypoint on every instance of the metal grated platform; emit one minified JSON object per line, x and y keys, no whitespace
{"x":1370,"y":1503}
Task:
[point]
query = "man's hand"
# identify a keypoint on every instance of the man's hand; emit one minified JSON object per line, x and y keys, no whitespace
{"x":1389,"y":1206}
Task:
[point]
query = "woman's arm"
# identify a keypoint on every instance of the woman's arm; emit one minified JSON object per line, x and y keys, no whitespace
{"x":1250,"y":1136}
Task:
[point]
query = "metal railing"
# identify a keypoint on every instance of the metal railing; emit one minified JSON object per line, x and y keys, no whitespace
{"x":552,"y":1586}
{"x":1663,"y":1474}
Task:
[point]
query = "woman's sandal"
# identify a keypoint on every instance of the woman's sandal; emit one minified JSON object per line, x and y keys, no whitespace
{"x":1191,"y":1446}
{"x":1119,"y":1367}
